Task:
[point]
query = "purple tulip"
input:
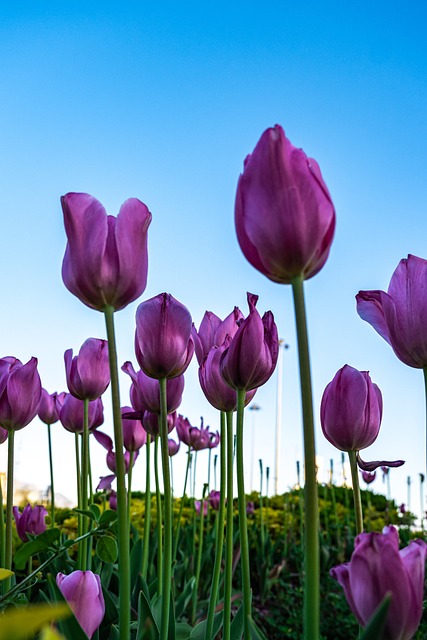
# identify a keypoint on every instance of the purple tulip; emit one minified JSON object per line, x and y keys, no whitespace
{"x":400,"y":315}
{"x":250,"y":508}
{"x":83,"y":592}
{"x":20,"y":392}
{"x":106,"y":442}
{"x":106,"y":258}
{"x":112,"y":500}
{"x":163,"y":342}
{"x":151,"y":423}
{"x":369,"y":477}
{"x":145,"y":391}
{"x":198,"y":507}
{"x":376,"y":568}
{"x":31,"y":520}
{"x":3,"y":435}
{"x":285,"y":219}
{"x":217,"y":391}
{"x":214,"y":499}
{"x":105,"y":482}
{"x":213,"y":331}
{"x":50,"y":406}
{"x":88,"y":374}
{"x":351,"y":410}
{"x":194,"y":437}
{"x":111,"y":461}
{"x":251,"y":357}
{"x":173,"y":447}
{"x":72,"y":410}
{"x":134,"y":434}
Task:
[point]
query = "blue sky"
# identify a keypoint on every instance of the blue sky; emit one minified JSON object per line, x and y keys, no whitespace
{"x":163,"y":101}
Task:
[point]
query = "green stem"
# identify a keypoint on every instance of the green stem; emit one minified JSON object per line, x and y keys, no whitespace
{"x":79,"y":487}
{"x":84,"y":483}
{"x":147,"y":510}
{"x":2,"y":531}
{"x":131,"y":459}
{"x":356,"y":492}
{"x":52,"y":488}
{"x":261,"y":510}
{"x":219,"y":534}
{"x":243,"y":528}
{"x":122,"y":528}
{"x":199,"y":556}
{"x":181,"y":506}
{"x":159,"y":519}
{"x":228,"y":571}
{"x":311,"y":529}
{"x":167,"y":558}
{"x":9,"y":506}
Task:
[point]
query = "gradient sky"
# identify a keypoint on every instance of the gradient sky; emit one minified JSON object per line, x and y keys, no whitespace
{"x":163,"y":101}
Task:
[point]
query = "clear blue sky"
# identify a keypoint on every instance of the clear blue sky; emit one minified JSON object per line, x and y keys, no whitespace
{"x":163,"y":101}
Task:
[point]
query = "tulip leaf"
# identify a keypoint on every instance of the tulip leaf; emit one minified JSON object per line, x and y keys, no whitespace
{"x":107,"y":517}
{"x":106,"y":549}
{"x":198,"y":633}
{"x":185,"y":597}
{"x":236,"y":627}
{"x":20,"y":622}
{"x":256,"y":633}
{"x":5,"y":573}
{"x":135,"y":562}
{"x":376,"y":624}
{"x":147,"y":626}
{"x":182,"y":631}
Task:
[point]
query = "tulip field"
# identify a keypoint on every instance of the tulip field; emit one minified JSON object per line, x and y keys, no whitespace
{"x":317,"y":562}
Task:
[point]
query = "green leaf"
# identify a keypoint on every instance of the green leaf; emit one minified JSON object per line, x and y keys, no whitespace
{"x":107,"y":517}
{"x":256,"y":633}
{"x":198,"y":633}
{"x":96,"y":511}
{"x":42,"y":543}
{"x":114,"y":633}
{"x":236,"y":627}
{"x":376,"y":624}
{"x":106,"y":549}
{"x":147,"y":627}
{"x":135,"y":562}
{"x":86,"y":512}
{"x":20,"y":622}
{"x":185,"y":597}
{"x":182,"y":631}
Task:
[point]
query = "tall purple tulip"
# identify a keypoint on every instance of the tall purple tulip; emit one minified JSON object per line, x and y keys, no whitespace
{"x":145,"y":392}
{"x":88,"y":374}
{"x":31,"y":520}
{"x":134,"y":434}
{"x":213,"y":331}
{"x":72,"y":411}
{"x":400,"y":315}
{"x":252,"y":354}
{"x":83,"y":592}
{"x":285,"y":219}
{"x":106,"y":258}
{"x":20,"y":392}
{"x":50,"y":406}
{"x":163,"y":342}
{"x":151,"y":423}
{"x":351,"y":410}
{"x":376,"y":568}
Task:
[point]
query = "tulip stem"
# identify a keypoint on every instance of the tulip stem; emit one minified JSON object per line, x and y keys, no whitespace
{"x":9,"y":506}
{"x":356,"y":492}
{"x":2,"y":532}
{"x":228,"y":575}
{"x":79,"y":486}
{"x":122,"y":529}
{"x":219,"y":534}
{"x":199,"y":556}
{"x":243,"y":528}
{"x":159,"y":519}
{"x":84,"y":483}
{"x":52,"y":488}
{"x":167,"y":558}
{"x":147,"y":510}
{"x":181,"y":506}
{"x":131,"y":460}
{"x":311,"y":529}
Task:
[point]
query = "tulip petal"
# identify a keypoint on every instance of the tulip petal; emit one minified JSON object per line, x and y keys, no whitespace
{"x":371,"y":466}
{"x":24,"y":392}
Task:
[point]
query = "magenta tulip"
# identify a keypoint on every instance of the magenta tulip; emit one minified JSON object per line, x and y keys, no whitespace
{"x":198,"y":507}
{"x":50,"y":406}
{"x":151,"y":423}
{"x":214,"y":499}
{"x":251,"y":357}
{"x":194,"y":437}
{"x":83,"y":592}
{"x":213,"y":331}
{"x":88,"y":374}
{"x":369,"y":477}
{"x":20,"y":392}
{"x":145,"y":391}
{"x":134,"y":434}
{"x":351,"y":410}
{"x":106,"y":258}
{"x":31,"y":520}
{"x":173,"y":447}
{"x":72,"y":411}
{"x":112,"y":500}
{"x":376,"y":568}
{"x":163,"y":342}
{"x":285,"y":219}
{"x":3,"y":435}
{"x":400,"y":315}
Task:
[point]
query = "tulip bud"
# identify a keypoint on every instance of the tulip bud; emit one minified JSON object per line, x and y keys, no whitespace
{"x":31,"y":520}
{"x":252,"y":354}
{"x":285,"y":219}
{"x":83,"y":592}
{"x":163,"y":343}
{"x":106,"y":258}
{"x":213,"y":331}
{"x":351,"y":410}
{"x":50,"y":406}
{"x":20,"y":392}
{"x":88,"y":374}
{"x":376,"y":568}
